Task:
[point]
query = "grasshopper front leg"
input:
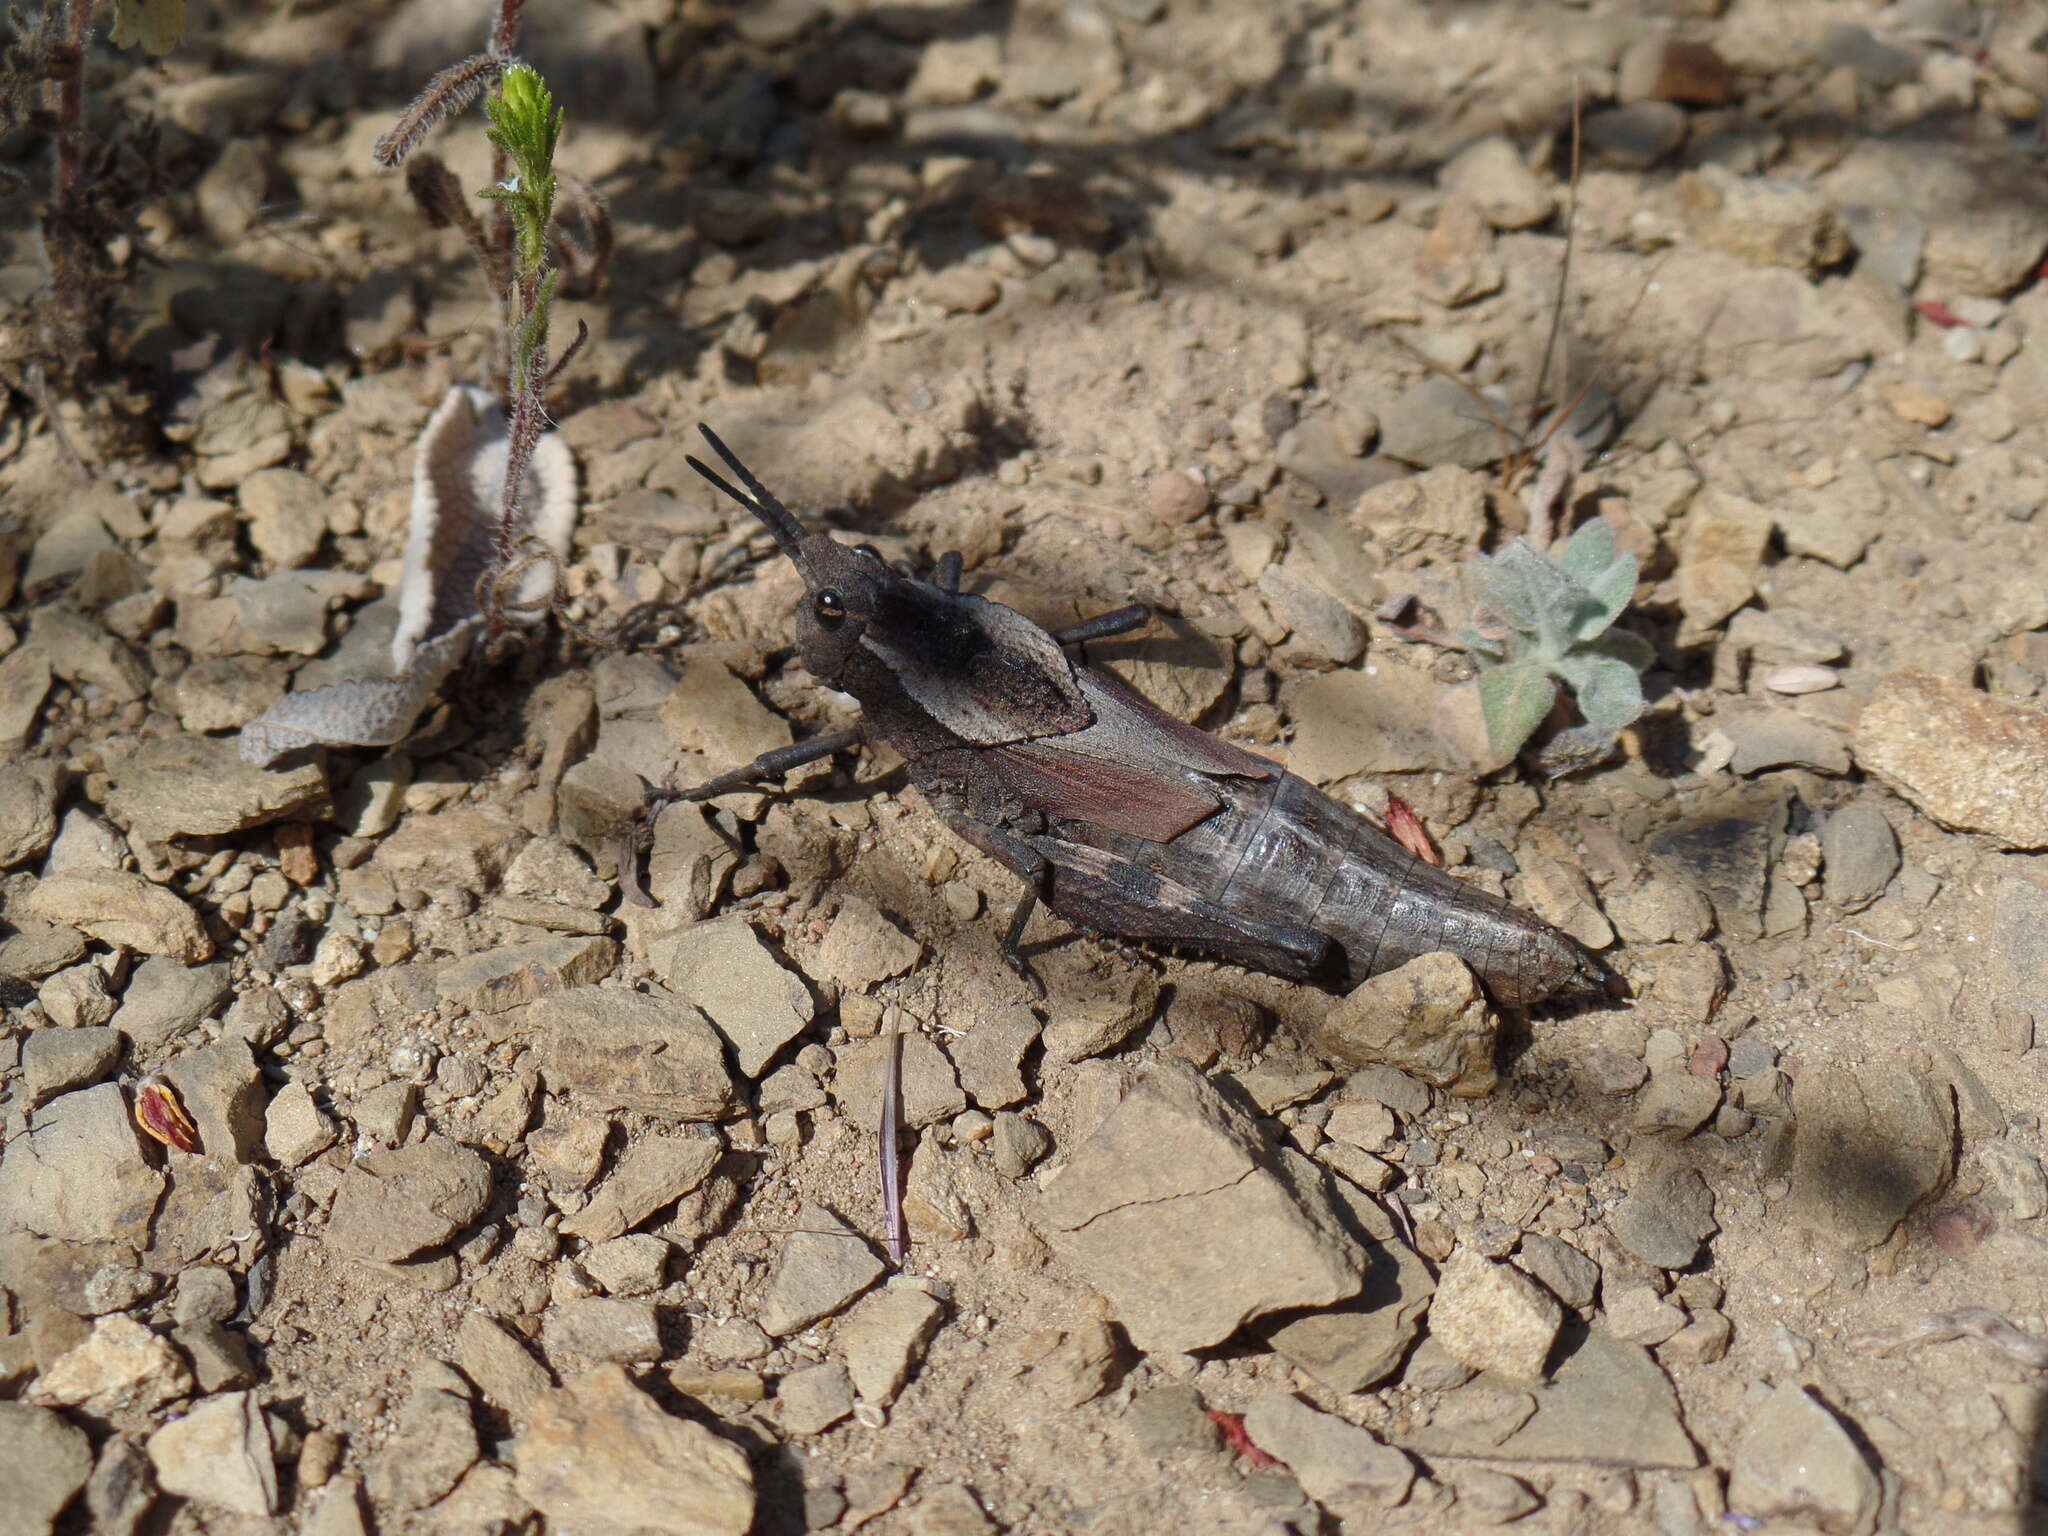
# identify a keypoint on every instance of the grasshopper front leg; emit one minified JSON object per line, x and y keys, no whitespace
{"x":769,"y":765}
{"x":773,"y":764}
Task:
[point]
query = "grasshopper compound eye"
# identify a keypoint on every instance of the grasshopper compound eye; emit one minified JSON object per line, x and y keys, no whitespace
{"x":831,"y":607}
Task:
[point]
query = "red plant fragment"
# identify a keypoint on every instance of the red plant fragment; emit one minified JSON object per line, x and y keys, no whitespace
{"x":162,"y":1117}
{"x":1407,"y":829}
{"x":1938,"y":312}
{"x":1232,"y":1425}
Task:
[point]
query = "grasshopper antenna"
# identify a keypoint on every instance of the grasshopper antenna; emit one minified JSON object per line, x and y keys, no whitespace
{"x":762,"y":502}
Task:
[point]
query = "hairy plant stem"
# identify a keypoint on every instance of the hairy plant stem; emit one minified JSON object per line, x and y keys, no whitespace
{"x":63,"y":222}
{"x":529,"y":372}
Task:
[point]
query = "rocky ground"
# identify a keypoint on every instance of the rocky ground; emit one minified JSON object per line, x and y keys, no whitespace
{"x":516,"y":1205}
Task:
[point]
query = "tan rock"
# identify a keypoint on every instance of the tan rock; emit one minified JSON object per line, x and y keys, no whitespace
{"x":121,"y":1368}
{"x":1493,"y":1317}
{"x":219,"y":1453}
{"x":599,"y":1455}
{"x":1429,"y":1018}
{"x":123,"y":909}
{"x":1968,"y":759}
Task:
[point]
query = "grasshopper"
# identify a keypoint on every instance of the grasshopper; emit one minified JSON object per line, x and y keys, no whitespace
{"x":1117,"y":816}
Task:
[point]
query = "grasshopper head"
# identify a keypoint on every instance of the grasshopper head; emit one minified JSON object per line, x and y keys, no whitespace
{"x":982,"y":673}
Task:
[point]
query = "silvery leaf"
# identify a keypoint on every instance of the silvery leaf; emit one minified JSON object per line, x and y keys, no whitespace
{"x":458,"y":478}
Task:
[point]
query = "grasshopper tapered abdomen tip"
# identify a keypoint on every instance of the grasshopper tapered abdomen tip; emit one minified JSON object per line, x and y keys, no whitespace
{"x":1591,"y":982}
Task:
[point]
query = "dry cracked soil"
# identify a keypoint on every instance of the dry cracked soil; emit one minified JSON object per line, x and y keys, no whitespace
{"x":509,"y":1204}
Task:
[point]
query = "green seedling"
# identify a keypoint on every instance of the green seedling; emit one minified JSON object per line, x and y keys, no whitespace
{"x":523,"y":247}
{"x":1545,"y":619}
{"x":525,"y":127}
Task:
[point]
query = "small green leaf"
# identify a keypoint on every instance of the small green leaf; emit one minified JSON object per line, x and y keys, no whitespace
{"x":1609,"y":592}
{"x":525,"y":122}
{"x":1587,"y":552}
{"x":1622,"y":645}
{"x":1608,"y":692}
{"x":1514,"y":699}
{"x":1544,"y":597}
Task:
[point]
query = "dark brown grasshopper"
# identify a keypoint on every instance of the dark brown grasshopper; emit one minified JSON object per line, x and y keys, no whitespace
{"x":1117,"y":816}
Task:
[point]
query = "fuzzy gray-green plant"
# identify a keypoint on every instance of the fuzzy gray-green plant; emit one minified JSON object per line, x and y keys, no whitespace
{"x":1545,"y":618}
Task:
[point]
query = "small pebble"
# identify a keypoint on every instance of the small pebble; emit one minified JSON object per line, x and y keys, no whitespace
{"x":1799,"y":679}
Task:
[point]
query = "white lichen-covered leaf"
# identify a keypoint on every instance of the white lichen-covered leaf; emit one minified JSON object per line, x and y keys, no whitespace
{"x":368,"y":712}
{"x":458,"y":477}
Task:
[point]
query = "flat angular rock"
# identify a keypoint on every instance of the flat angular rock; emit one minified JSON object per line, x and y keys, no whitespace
{"x":1637,"y":1313}
{"x":1357,"y":1344}
{"x":468,"y":848}
{"x":1346,"y":1469}
{"x":821,"y":1267}
{"x":198,"y":786}
{"x":626,"y":1050}
{"x":655,"y":1171}
{"x":1726,"y":851}
{"x":930,"y":1091}
{"x":121,"y":1368}
{"x":219,"y":1356}
{"x":55,"y":1061}
{"x":2019,"y":938}
{"x":1870,"y":1146}
{"x":40,"y":951}
{"x":510,"y":976}
{"x":1084,"y":1364}
{"x":1358,"y":722}
{"x":287,"y":516}
{"x":1607,"y":1404}
{"x":1439,"y":425}
{"x":28,"y":809}
{"x":884,"y":1336}
{"x":1722,"y":546}
{"x":633,"y":1265}
{"x":1773,"y":737}
{"x":48,"y":1460}
{"x":726,"y":969}
{"x":219,"y":1454}
{"x":1493,"y":1317}
{"x":714,"y":712}
{"x":434,"y":1445}
{"x":1675,"y":1104}
{"x":1969,"y":759}
{"x":166,"y":997}
{"x":1564,"y":1271}
{"x":1429,"y":1018}
{"x":25,"y":679}
{"x":82,"y":653}
{"x":1492,"y":174}
{"x":1666,"y":1215}
{"x":222,"y":1091}
{"x":1761,"y":219}
{"x":690,"y":862}
{"x":810,"y":1401}
{"x":497,"y":1360}
{"x":119,"y":908}
{"x":602,"y":1328}
{"x":599,"y":1455}
{"x":1859,"y":855}
{"x":79,"y":1174}
{"x":1191,"y":1246}
{"x":989,"y":1058}
{"x":864,"y":947}
{"x":295,"y":1129}
{"x":393,"y":1204}
{"x":1796,"y":1461}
